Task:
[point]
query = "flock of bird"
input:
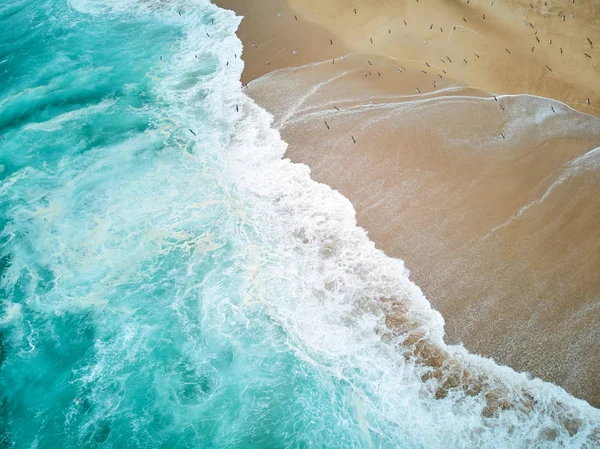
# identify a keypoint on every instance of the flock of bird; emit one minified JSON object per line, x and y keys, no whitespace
{"x":447,"y":60}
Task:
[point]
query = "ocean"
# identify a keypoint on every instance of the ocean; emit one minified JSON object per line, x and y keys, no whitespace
{"x":169,"y":280}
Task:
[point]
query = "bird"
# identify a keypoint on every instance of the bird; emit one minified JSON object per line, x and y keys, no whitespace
{"x":502,"y":136}
{"x":548,"y":68}
{"x":507,"y":51}
{"x":418,"y":90}
{"x":336,"y":108}
{"x":588,"y":55}
{"x":353,"y":139}
{"x":192,"y":132}
{"x":326,"y":125}
{"x":552,"y":107}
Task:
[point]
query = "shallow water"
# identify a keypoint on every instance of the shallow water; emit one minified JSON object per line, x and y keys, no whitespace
{"x":169,"y":281}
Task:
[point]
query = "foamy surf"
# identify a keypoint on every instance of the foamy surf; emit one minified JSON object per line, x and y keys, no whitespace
{"x":180,"y":283}
{"x":372,"y":319}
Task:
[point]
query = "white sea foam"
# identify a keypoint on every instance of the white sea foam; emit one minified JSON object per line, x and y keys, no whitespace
{"x":326,"y":284}
{"x":329,"y":283}
{"x":13,"y":312}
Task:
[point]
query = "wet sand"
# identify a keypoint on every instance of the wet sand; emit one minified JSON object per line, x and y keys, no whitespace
{"x":492,"y":203}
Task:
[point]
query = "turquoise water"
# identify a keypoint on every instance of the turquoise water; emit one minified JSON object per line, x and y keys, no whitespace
{"x":169,"y":281}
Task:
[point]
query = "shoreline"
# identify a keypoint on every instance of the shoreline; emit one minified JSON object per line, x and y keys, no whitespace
{"x":499,"y":297}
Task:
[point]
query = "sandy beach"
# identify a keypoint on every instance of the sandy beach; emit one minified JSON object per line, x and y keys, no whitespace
{"x":467,"y":148}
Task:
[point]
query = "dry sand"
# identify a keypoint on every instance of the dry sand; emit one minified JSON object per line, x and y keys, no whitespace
{"x":501,"y":233}
{"x":458,"y":31}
